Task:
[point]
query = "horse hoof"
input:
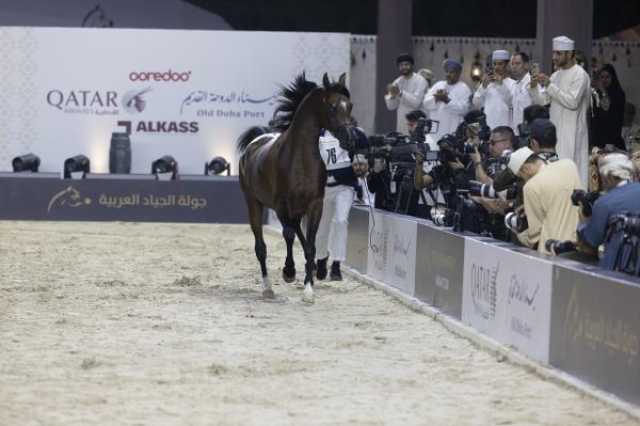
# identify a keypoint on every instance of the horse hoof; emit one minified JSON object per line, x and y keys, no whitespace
{"x":268,"y":294}
{"x":307,"y":295}
{"x":289,"y":276}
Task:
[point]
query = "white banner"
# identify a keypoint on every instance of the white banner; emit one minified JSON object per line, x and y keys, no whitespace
{"x":401,"y":254}
{"x":392,"y":251}
{"x":188,"y":94}
{"x":508,"y":296}
{"x":377,"y":258}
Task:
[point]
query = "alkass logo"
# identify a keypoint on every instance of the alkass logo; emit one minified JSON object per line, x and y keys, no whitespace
{"x":167,"y":76}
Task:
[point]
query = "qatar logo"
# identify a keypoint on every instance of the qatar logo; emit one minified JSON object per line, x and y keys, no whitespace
{"x":168,"y":76}
{"x":133,"y":101}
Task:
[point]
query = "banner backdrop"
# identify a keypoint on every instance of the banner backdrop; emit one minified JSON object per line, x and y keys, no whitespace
{"x":188,"y":94}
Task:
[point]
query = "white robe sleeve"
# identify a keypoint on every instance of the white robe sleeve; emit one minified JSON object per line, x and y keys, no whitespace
{"x":413,"y":99}
{"x":569,"y":97}
{"x":429,"y":103}
{"x":479,"y":97}
{"x":459,"y":101}
{"x":504,"y":90}
{"x":538,"y":96}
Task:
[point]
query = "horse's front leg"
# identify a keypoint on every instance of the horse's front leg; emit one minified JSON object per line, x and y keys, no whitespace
{"x":313,"y":221}
{"x":289,"y":234}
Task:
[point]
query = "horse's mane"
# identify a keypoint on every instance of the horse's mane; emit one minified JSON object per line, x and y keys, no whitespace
{"x":291,"y":97}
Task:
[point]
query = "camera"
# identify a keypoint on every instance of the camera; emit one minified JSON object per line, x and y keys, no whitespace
{"x":559,"y":247}
{"x":479,"y":189}
{"x":516,"y":222}
{"x":585,"y":200}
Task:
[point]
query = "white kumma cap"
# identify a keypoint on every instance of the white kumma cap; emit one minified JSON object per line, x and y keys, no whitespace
{"x":500,"y":55}
{"x":563,"y":44}
{"x":517,"y":159}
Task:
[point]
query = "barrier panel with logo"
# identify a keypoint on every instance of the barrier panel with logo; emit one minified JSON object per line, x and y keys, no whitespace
{"x":439,"y":266}
{"x":507,"y":295}
{"x":358,"y":242}
{"x":208,"y":200}
{"x":392,"y":250}
{"x":595,"y":329}
{"x":188,"y":94}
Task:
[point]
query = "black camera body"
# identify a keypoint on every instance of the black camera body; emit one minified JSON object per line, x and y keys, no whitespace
{"x":585,"y":200}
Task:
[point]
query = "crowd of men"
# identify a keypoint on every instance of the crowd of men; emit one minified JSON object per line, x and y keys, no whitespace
{"x":511,"y":157}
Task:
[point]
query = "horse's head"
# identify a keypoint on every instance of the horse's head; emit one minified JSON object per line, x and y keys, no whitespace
{"x":337,"y":118}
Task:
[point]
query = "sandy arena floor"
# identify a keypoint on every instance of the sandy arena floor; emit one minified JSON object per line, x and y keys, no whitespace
{"x":155,"y":324}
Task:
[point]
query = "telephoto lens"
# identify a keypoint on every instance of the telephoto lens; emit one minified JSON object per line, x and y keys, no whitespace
{"x":559,"y":247}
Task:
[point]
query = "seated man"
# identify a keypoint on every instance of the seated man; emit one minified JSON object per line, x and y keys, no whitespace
{"x":616,"y":170}
{"x":547,"y":195}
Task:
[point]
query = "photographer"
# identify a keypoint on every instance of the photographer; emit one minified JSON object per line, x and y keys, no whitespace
{"x":501,"y":141}
{"x":547,"y":192}
{"x":622,"y":196}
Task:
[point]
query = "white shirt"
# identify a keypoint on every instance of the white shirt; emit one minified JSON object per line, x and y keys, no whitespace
{"x":569,"y":94}
{"x":448,"y":115}
{"x":409,"y":99}
{"x":520,"y":99}
{"x":496,"y":101}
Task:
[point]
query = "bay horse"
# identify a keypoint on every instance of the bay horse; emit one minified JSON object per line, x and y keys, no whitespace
{"x":284,"y":171}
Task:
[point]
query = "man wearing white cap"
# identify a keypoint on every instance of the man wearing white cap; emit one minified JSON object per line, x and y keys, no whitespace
{"x":495,"y":92}
{"x":547,"y":191}
{"x":448,"y":100}
{"x":568,"y":92}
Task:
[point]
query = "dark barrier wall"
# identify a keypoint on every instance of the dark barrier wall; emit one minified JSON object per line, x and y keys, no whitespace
{"x":209,"y":200}
{"x":439,"y":268}
{"x":578,"y":318}
{"x":595,"y":329}
{"x":358,"y":242}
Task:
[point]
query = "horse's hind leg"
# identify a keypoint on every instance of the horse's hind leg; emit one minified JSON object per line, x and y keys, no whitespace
{"x":256,"y":211}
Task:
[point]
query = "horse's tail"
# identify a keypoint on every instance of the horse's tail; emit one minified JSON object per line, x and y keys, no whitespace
{"x":249,"y":135}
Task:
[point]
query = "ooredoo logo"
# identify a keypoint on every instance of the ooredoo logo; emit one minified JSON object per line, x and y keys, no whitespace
{"x":167,"y":76}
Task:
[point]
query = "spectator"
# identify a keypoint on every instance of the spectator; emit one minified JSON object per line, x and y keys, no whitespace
{"x":608,"y":116}
{"x":427,"y":74}
{"x":630,"y":130}
{"x":622,"y":195}
{"x":406,"y":92}
{"x":568,"y":92}
{"x":447,"y":101}
{"x":494,"y":95}
{"x":547,"y":192}
{"x":520,"y":98}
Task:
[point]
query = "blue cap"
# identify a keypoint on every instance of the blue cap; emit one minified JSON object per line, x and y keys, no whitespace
{"x":452,"y":65}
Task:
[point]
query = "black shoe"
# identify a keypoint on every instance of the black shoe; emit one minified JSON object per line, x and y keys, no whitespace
{"x":321,"y":266}
{"x":336,"y":275}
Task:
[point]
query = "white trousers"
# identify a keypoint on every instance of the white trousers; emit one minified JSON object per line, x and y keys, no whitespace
{"x":331,"y":239}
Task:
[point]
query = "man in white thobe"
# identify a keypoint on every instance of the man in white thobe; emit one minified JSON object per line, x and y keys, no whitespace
{"x":406,"y":92}
{"x":447,"y":101}
{"x":568,"y":90}
{"x":495,"y":92}
{"x":520,"y":97}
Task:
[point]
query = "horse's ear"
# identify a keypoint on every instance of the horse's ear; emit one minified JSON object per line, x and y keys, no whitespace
{"x":343,"y":79}
{"x":325,"y":80}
